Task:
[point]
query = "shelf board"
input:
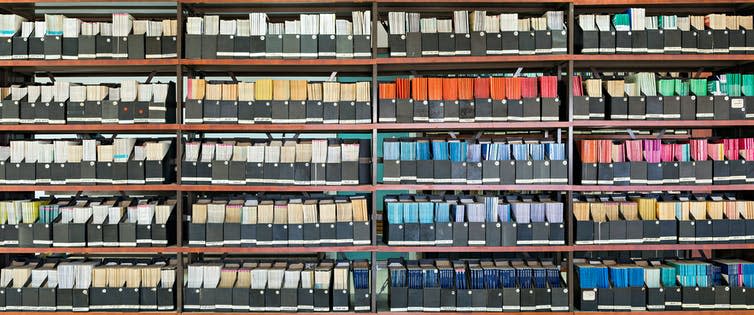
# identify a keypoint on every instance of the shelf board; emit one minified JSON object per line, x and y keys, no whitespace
{"x":96,"y":313}
{"x":472,"y":249}
{"x":471,"y":187}
{"x":56,"y":1}
{"x":662,"y":57}
{"x":449,"y":63}
{"x":279,"y":313}
{"x":308,"y":2}
{"x":661,"y":123}
{"x":79,"y":128}
{"x":472,"y":126}
{"x":286,"y":66}
{"x":655,"y":2}
{"x":150,"y":187}
{"x":477,"y":1}
{"x":144,"y":66}
{"x":276,"y":127}
{"x":746,"y":187}
{"x":278,"y":249}
{"x":273,"y":188}
{"x":369,"y":188}
{"x":474,"y":313}
{"x":686,"y":312}
{"x":626,"y":247}
{"x":90,"y":250}
{"x":654,"y":61}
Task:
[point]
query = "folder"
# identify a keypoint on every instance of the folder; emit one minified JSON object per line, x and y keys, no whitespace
{"x":494,"y":44}
{"x":20,"y":48}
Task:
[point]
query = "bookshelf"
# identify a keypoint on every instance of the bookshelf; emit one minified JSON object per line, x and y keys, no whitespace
{"x":374,"y":67}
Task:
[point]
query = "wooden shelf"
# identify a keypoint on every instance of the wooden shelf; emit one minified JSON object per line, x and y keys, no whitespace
{"x":93,"y":313}
{"x":90,"y":250}
{"x":90,"y":62}
{"x":474,"y":125}
{"x":283,"y":313}
{"x":156,"y":187}
{"x":663,"y":188}
{"x":538,"y":125}
{"x":474,"y":313}
{"x":479,"y":1}
{"x":80,"y":128}
{"x":575,"y":2}
{"x":272,"y":188}
{"x":471,"y":59}
{"x":278,"y":249}
{"x":376,"y":67}
{"x":651,"y":62}
{"x":655,"y":2}
{"x":627,"y":247}
{"x":57,"y":1}
{"x":473,"y":249}
{"x":306,"y":2}
{"x":281,"y":66}
{"x":291,"y":250}
{"x":471,"y":187}
{"x":663,"y":57}
{"x":686,"y":312}
{"x":661,"y":123}
{"x":99,"y":66}
{"x":275,"y":127}
{"x":369,"y":188}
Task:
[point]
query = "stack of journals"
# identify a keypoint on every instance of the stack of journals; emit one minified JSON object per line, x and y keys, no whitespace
{"x":277,"y":162}
{"x":476,"y":34}
{"x":483,"y":220}
{"x":268,"y":101}
{"x":668,"y":218}
{"x":667,"y":162}
{"x":60,"y":37}
{"x":293,"y":221}
{"x":436,"y":99}
{"x":311,"y":36}
{"x":646,"y":95}
{"x":103,"y":284}
{"x":88,"y":222}
{"x":433,"y":285}
{"x":63,"y":102}
{"x":634,"y":32}
{"x":672,"y":284}
{"x":277,"y":285}
{"x":117,"y":161}
{"x":457,"y":161}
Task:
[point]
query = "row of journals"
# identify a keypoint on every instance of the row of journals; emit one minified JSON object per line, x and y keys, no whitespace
{"x":88,"y":222}
{"x":657,"y":162}
{"x":476,"y":285}
{"x":277,"y":162}
{"x":105,"y":284}
{"x":60,"y":37}
{"x":58,"y":162}
{"x":311,"y":36}
{"x":277,"y":101}
{"x":437,"y":99}
{"x":414,"y":160}
{"x":646,"y":95}
{"x":634,"y":32}
{"x":293,"y":221}
{"x":669,"y":219}
{"x":672,"y":284}
{"x":484,"y":220}
{"x":63,"y":102}
{"x":278,"y":285}
{"x":476,"y":33}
